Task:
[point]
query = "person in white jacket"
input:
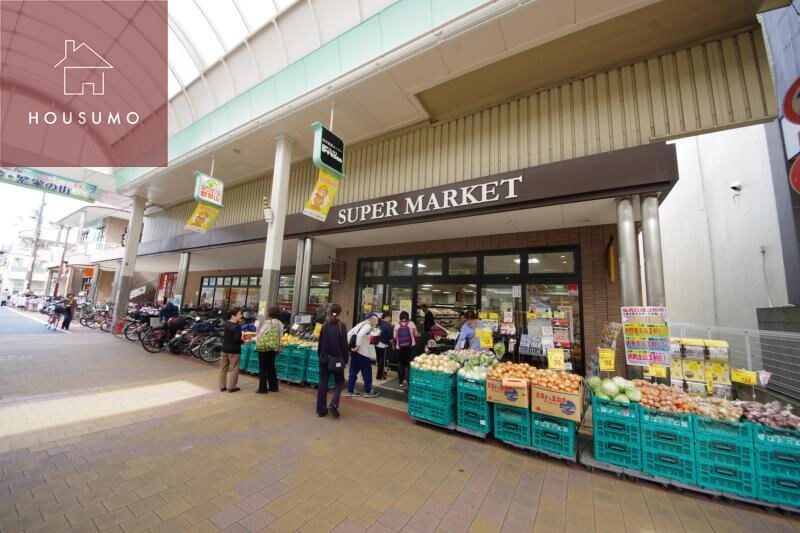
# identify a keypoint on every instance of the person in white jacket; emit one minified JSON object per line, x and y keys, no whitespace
{"x":362,"y":356}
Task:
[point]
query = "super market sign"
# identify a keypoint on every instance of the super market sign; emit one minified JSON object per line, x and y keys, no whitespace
{"x":35,"y":179}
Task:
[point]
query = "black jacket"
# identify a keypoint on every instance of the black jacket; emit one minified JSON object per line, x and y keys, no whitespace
{"x":232,"y":337}
{"x":333,"y":341}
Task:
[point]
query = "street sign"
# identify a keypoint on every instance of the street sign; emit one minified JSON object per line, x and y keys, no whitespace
{"x":207,"y":190}
{"x":52,"y":183}
{"x":328,"y":153}
{"x":794,"y":175}
{"x":791,"y":102}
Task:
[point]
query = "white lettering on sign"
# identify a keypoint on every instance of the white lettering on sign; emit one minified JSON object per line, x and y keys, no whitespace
{"x":482,"y":193}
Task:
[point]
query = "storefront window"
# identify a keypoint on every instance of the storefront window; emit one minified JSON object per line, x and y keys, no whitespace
{"x":318,"y":295}
{"x":400,"y":298}
{"x":254,"y":280}
{"x":285,"y":295}
{"x":501,"y":264}
{"x":206,"y":297}
{"x":497,"y":299}
{"x":220,"y":281}
{"x":286,"y":280}
{"x":252,"y":296}
{"x":222,"y":297}
{"x":320,"y":280}
{"x":372,"y":269}
{"x":429,"y":267}
{"x":551,"y":263}
{"x":400,"y":267}
{"x":238,"y":297}
{"x":371,"y":298}
{"x":553,"y":312}
{"x":446,"y":301}
{"x":463,"y":266}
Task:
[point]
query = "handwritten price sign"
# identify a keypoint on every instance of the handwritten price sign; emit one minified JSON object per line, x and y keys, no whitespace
{"x":555,"y":359}
{"x":746,"y":377}
{"x":606,"y":357}
{"x":657,"y":371}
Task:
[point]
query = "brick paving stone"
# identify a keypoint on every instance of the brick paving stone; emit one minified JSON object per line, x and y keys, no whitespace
{"x":173,"y":509}
{"x":253,"y":503}
{"x":151,"y":503}
{"x":257,"y":521}
{"x":114,"y":518}
{"x":142,"y":522}
{"x":84,"y":514}
{"x":348,"y":526}
{"x":201,"y":513}
{"x":228,"y":516}
{"x":423,"y":522}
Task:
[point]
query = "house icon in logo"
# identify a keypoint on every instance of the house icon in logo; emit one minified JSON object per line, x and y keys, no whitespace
{"x":82,"y":67}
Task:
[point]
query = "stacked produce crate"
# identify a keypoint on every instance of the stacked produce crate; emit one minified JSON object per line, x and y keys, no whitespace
{"x":432,"y":392}
{"x":282,"y":362}
{"x":312,"y":370}
{"x":553,"y":436}
{"x":248,"y":351}
{"x":724,"y":454}
{"x":512,"y":425}
{"x":297,"y":363}
{"x":617,"y":433}
{"x":668,"y":445}
{"x":252,"y":360}
{"x":474,"y":412}
{"x":777,"y":456}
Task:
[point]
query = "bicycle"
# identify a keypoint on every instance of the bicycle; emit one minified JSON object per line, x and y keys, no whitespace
{"x":54,"y":320}
{"x":155,"y":340}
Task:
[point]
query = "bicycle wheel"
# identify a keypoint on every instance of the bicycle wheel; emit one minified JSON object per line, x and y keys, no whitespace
{"x":105,"y":325}
{"x":154,"y":341}
{"x":194,"y":346}
{"x":211,"y":349}
{"x":85,"y":319}
{"x":119,"y":328}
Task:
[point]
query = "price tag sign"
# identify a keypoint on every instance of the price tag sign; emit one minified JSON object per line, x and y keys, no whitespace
{"x":657,"y":371}
{"x":606,"y":357}
{"x":485,"y":336}
{"x":555,"y":359}
{"x":317,"y":330}
{"x":747,"y":377}
{"x":709,"y":375}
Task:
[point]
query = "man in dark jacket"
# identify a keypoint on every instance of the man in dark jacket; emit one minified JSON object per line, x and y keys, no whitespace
{"x":231,"y":351}
{"x":384,"y":343}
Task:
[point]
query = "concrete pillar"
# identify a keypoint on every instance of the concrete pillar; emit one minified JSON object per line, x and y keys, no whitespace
{"x":95,"y":282}
{"x":81,"y":226}
{"x":180,"y":281}
{"x":129,"y":258}
{"x":628,"y":262}
{"x":115,"y":280}
{"x":279,"y":200}
{"x":298,"y":273}
{"x":651,"y":248}
{"x":305,"y":278}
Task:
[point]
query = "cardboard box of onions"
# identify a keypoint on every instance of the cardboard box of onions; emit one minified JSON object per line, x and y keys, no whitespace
{"x":557,"y":394}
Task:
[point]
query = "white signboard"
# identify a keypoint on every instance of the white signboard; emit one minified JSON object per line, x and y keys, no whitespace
{"x":138,"y":291}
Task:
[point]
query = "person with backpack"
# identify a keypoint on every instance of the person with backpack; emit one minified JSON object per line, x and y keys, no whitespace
{"x":362,"y":355}
{"x":268,"y":344}
{"x":231,"y":351}
{"x":384,"y":343}
{"x":333,"y":356}
{"x":405,"y":338}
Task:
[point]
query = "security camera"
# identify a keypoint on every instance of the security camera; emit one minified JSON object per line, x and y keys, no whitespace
{"x":736,"y":186}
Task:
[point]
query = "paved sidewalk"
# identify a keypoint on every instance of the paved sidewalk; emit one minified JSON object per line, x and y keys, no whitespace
{"x":95,"y":434}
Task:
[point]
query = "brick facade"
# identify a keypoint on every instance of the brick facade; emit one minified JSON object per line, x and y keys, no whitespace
{"x":601,"y":299}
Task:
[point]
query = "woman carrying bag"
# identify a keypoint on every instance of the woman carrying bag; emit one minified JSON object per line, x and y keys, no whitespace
{"x":268,"y":344}
{"x":333,"y":353}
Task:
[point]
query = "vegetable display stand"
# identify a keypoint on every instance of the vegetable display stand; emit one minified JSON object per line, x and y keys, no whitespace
{"x":553,"y":436}
{"x":777,"y":453}
{"x":247,"y":353}
{"x":282,"y":364}
{"x":668,"y":445}
{"x":512,"y":425}
{"x":312,"y":371}
{"x":252,"y":362}
{"x":297,"y":364}
{"x":617,"y":433}
{"x":474,"y":413}
{"x":432,"y":397}
{"x":724,"y":455}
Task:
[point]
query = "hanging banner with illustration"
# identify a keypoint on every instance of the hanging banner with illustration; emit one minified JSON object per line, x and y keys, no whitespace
{"x":321,"y":200}
{"x":36,"y":179}
{"x":202,"y":218}
{"x":646,"y":336}
{"x":208,"y":190}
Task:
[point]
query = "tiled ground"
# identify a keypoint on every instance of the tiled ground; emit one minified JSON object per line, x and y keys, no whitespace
{"x":144,"y":442}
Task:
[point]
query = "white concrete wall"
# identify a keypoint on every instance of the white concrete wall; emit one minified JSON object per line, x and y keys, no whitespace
{"x":712,"y":236}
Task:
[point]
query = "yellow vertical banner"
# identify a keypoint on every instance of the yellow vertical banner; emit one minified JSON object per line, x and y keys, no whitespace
{"x":321,"y":199}
{"x":202,"y":218}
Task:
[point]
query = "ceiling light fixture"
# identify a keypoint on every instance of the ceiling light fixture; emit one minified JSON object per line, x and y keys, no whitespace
{"x":534,"y":260}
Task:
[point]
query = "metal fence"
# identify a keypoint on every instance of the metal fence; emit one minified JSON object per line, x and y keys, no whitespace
{"x":774,"y":351}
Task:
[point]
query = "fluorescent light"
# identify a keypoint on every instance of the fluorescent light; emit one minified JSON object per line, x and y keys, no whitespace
{"x":563,"y":257}
{"x":409,"y":265}
{"x":563,"y":262}
{"x":437,"y":290}
{"x":428,"y":285}
{"x":445,"y":292}
{"x":420,"y":265}
{"x":534,"y":260}
{"x":517,"y":261}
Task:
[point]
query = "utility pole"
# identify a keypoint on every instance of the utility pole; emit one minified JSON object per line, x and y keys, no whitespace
{"x":61,"y":264}
{"x":39,"y":216}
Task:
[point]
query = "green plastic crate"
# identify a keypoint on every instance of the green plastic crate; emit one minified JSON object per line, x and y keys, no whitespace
{"x":778,"y":490}
{"x":553,"y":435}
{"x":618,"y":453}
{"x":477,"y":386}
{"x":443,"y":415}
{"x":680,"y":467}
{"x":252,"y":363}
{"x":611,"y":410}
{"x":777,"y":453}
{"x":433,"y":380}
{"x":512,"y":424}
{"x":724,"y":478}
{"x":247,"y":353}
{"x":724,"y":443}
{"x":667,"y":432}
{"x":473,"y":411}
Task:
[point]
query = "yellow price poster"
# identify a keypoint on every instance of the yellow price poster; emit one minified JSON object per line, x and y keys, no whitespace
{"x":483,"y":315}
{"x":321,"y":200}
{"x":203,"y":216}
{"x":709,"y":375}
{"x":555,"y":359}
{"x":607,"y":359}
{"x":657,"y":371}
{"x":485,"y":336}
{"x":262,"y":308}
{"x":746,"y":377}
{"x":405,"y":305}
{"x":317,"y":329}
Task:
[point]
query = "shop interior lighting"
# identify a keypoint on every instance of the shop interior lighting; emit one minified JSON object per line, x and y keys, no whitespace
{"x":532,"y":260}
{"x":420,"y":265}
{"x":409,"y":265}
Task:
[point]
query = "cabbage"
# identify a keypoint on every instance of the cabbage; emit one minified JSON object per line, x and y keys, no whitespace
{"x":634,"y":394}
{"x":609,"y":388}
{"x":500,"y":349}
{"x":601,"y":396}
{"x":622,"y":383}
{"x":594,"y":382}
{"x":621,"y":398}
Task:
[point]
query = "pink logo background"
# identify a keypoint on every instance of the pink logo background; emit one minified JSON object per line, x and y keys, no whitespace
{"x":116,"y":84}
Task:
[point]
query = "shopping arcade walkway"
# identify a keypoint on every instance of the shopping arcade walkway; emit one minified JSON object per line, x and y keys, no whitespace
{"x":97,"y":434}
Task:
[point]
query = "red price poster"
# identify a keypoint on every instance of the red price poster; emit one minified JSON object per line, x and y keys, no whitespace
{"x":646,"y":336}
